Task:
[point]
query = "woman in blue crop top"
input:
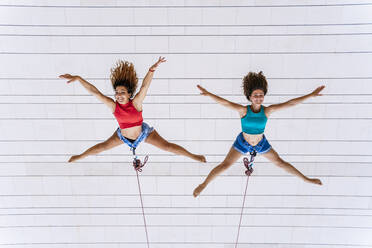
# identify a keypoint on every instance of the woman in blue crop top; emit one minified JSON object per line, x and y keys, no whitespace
{"x":253,"y":121}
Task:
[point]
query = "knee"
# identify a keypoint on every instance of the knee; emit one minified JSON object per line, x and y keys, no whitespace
{"x":102,"y":146}
{"x":280,"y":162}
{"x":167,"y":146}
{"x":224,"y":165}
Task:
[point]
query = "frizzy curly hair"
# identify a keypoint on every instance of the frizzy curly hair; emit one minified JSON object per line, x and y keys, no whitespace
{"x":124,"y":74}
{"x":254,"y":81}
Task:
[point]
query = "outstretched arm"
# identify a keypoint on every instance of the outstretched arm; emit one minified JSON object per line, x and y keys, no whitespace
{"x":232,"y":105}
{"x":275,"y":107}
{"x":140,"y":96}
{"x":91,"y":89}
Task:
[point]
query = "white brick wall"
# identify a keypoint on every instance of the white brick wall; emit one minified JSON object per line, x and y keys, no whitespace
{"x":46,"y":202}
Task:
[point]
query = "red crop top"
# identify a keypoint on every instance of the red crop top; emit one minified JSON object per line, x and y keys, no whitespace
{"x":127,"y":115}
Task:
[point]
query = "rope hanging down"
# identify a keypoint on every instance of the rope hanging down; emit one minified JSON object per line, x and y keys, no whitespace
{"x":138,"y":168}
{"x":248,"y":165}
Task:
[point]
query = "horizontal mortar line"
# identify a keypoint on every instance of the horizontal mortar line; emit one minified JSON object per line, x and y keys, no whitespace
{"x":187,"y":226}
{"x":189,"y":214}
{"x":179,"y":175}
{"x":184,"y":25}
{"x":171,"y":103}
{"x":178,"y":118}
{"x":178,"y":53}
{"x":184,"y":35}
{"x":196,"y":78}
{"x":174,"y":155}
{"x":185,"y":6}
{"x":242,"y":175}
{"x":189,"y":243}
{"x":176,"y":94}
{"x":180,"y":195}
{"x":188,"y":207}
{"x":167,"y":162}
{"x":190,"y":140}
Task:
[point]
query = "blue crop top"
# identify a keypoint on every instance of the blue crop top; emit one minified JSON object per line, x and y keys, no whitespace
{"x":254,"y":123}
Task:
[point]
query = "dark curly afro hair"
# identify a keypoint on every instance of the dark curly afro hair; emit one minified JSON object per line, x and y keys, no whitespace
{"x":254,"y":81}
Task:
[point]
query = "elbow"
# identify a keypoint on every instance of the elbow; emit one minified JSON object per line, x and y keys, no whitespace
{"x":291,"y":103}
{"x":281,"y":163}
{"x":95,"y":92}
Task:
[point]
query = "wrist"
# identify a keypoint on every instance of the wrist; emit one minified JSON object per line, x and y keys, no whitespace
{"x":153,"y":68}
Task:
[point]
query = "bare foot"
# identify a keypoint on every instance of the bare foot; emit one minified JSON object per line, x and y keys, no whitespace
{"x":74,"y":158}
{"x":198,"y":190}
{"x":200,"y":158}
{"x":314,"y":181}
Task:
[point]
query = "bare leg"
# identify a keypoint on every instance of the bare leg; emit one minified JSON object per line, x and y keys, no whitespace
{"x":111,"y":142}
{"x":155,"y":139}
{"x":229,"y":160}
{"x":273,"y":156}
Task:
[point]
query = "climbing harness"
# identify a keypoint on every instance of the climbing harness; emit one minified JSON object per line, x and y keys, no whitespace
{"x":137,"y":162}
{"x":248,"y":163}
{"x":138,"y":168}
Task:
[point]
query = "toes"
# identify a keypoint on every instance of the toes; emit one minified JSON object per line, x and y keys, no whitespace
{"x":202,"y":159}
{"x":72,"y":159}
{"x":195,"y":194}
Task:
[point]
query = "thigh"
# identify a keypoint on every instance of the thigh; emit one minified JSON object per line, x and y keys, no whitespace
{"x":113,"y":141}
{"x":232,"y":156}
{"x":156,"y":140}
{"x":272,"y":156}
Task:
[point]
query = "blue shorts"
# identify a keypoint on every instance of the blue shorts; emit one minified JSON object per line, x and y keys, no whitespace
{"x":146,"y":130}
{"x":242,"y":146}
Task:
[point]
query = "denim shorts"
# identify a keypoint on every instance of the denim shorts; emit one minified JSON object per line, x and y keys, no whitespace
{"x":146,"y":130}
{"x":242,"y":146}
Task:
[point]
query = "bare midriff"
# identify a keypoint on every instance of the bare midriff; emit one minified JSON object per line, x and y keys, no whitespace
{"x":131,"y":132}
{"x":253,"y":139}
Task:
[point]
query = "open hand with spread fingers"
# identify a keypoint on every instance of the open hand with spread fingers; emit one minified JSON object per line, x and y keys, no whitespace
{"x":317,"y":91}
{"x":70,"y":78}
{"x":203,"y":91}
{"x":160,"y":60}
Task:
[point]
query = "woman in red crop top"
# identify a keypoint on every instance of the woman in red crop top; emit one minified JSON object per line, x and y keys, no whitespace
{"x":128,"y":112}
